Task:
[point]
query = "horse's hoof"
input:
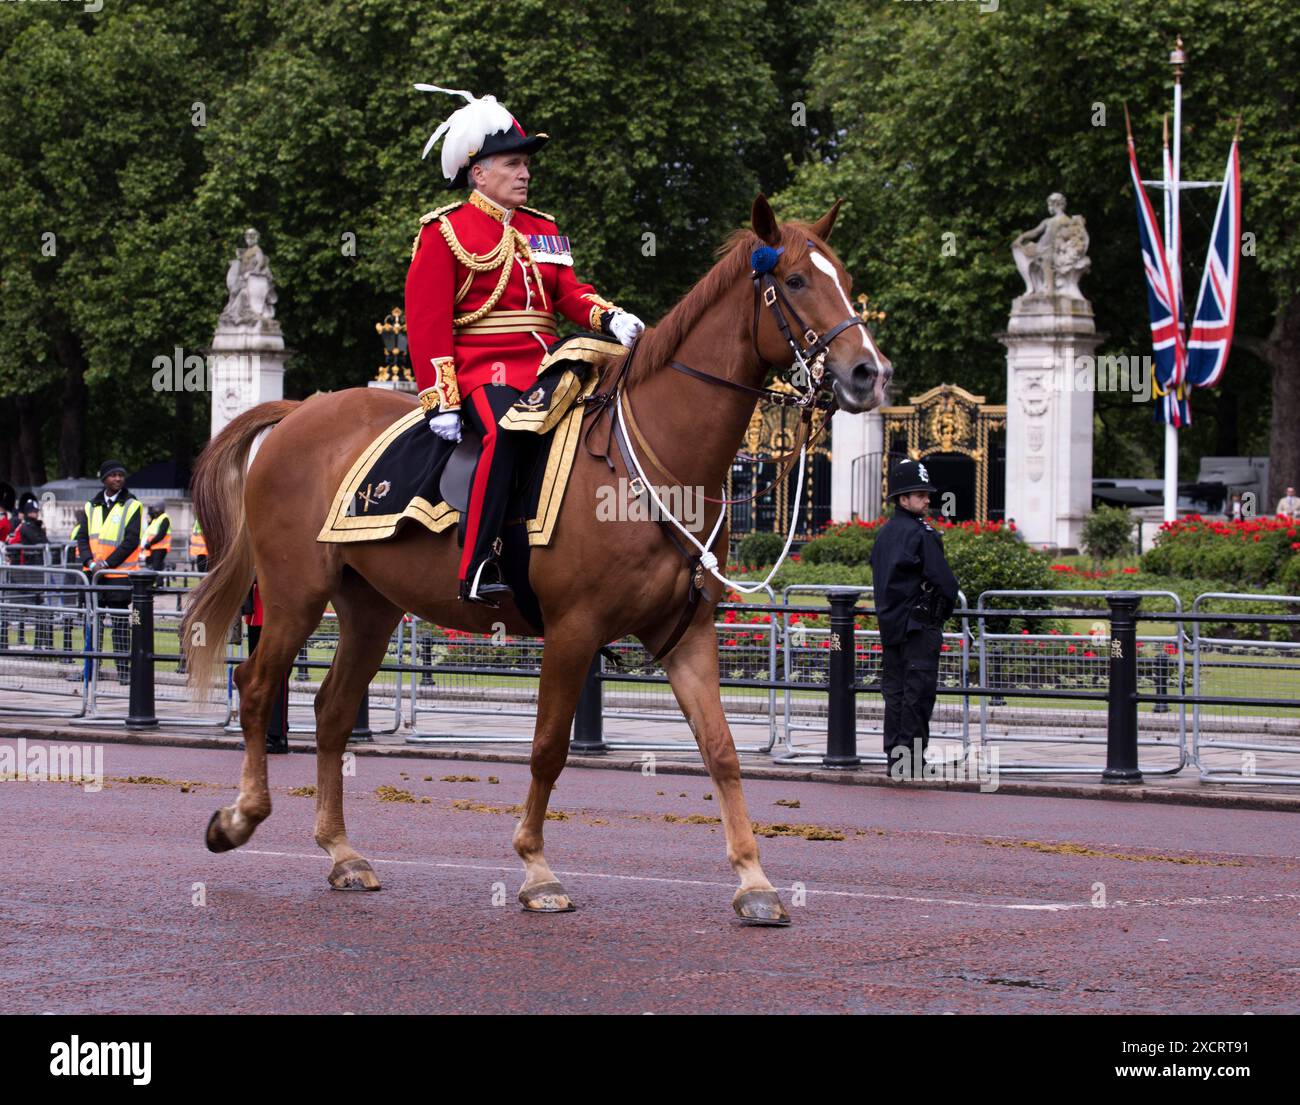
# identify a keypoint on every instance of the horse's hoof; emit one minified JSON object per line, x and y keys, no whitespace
{"x":354,"y":874}
{"x":760,"y":907}
{"x":546,"y":897}
{"x":216,"y":838}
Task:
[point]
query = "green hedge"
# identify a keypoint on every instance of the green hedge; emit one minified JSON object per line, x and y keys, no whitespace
{"x":1248,"y":554}
{"x":759,"y":550}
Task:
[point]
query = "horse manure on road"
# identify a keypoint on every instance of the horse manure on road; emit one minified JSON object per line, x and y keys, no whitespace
{"x":459,"y":779}
{"x":789,"y":803}
{"x":808,"y":832}
{"x":386,"y":793}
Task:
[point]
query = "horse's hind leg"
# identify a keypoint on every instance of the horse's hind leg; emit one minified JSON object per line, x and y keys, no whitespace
{"x":564,"y":667}
{"x":692,"y":668}
{"x":259,"y":678}
{"x":366,"y":624}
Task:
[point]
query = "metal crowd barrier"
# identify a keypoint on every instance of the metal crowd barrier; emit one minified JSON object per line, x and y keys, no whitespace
{"x":152,"y":670}
{"x":457,"y":678}
{"x":998,"y":671}
{"x":55,"y":603}
{"x":806,"y":643}
{"x":1212,"y":656}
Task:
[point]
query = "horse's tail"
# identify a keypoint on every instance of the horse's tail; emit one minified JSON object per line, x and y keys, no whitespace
{"x":218,"y":490}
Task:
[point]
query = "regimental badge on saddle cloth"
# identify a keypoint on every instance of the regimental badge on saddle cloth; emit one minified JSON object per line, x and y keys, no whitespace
{"x":550,"y":248}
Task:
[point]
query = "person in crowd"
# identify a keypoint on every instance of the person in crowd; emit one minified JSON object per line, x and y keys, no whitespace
{"x":158,"y":537}
{"x":108,"y":532}
{"x":27,"y":543}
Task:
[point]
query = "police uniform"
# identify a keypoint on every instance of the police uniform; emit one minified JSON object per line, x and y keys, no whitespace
{"x":482,"y":294}
{"x":915,"y":591}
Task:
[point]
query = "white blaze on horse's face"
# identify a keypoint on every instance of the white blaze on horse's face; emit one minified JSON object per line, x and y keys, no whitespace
{"x":861,"y":387}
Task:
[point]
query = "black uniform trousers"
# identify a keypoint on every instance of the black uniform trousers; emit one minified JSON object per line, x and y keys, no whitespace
{"x":909,"y":681}
{"x":489,"y":490}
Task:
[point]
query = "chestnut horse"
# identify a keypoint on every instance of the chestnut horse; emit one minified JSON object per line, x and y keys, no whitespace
{"x":596,"y":581}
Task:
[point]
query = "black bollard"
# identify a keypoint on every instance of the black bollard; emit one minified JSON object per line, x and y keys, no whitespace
{"x":1162,"y":680}
{"x":140,"y":712}
{"x":426,"y":661}
{"x":1122,"y":729}
{"x":842,"y":709}
{"x":361,"y":731}
{"x":588,"y":719}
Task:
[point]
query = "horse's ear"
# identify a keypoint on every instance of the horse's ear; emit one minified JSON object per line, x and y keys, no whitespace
{"x":764,"y":222}
{"x":822,"y":227}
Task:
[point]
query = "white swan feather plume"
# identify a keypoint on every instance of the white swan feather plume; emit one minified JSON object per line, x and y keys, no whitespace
{"x":466,"y":128}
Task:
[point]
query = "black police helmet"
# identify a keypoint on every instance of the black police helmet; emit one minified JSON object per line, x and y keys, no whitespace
{"x":910,"y":475}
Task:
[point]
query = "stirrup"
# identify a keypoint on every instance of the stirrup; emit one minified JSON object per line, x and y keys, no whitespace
{"x":485,"y":592}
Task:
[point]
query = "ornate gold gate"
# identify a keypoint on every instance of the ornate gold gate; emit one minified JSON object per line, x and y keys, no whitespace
{"x":947,"y":420}
{"x":772,"y":432}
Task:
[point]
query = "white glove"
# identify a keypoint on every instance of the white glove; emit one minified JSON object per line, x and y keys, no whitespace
{"x":626,"y":327}
{"x":446,"y":425}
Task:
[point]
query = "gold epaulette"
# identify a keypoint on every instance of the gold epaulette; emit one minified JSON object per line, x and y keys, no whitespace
{"x":427,"y":218}
{"x":534,"y":211}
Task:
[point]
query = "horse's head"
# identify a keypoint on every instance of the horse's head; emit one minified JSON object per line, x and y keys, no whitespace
{"x":812,"y":293}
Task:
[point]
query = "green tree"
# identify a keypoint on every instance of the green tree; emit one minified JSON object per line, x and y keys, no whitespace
{"x":954,"y":122}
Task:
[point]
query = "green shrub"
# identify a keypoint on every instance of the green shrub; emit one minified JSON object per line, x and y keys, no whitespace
{"x":1290,"y":576}
{"x":1249,"y":554}
{"x":759,"y":550}
{"x":1108,"y":532}
{"x":843,"y":543}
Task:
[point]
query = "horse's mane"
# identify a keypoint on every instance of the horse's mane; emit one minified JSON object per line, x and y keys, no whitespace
{"x":658,"y":344}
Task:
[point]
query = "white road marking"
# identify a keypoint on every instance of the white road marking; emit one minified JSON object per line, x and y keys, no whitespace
{"x":1040,"y":907}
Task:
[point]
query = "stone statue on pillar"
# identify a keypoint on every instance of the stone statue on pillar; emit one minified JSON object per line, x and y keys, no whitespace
{"x":1053,"y":257}
{"x":252,"y":289}
{"x":1050,"y":341}
{"x":247,"y":352}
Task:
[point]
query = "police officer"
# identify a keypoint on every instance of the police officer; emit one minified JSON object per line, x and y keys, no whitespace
{"x":915,"y":591}
{"x":158,"y":537}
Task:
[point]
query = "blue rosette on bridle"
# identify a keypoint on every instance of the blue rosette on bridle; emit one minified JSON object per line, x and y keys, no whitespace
{"x":764,"y":259}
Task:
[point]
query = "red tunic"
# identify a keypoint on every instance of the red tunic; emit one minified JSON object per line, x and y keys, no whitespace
{"x":453,"y":353}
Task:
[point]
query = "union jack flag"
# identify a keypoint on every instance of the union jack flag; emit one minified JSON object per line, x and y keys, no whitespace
{"x":1170,"y":353}
{"x":1216,"y":305}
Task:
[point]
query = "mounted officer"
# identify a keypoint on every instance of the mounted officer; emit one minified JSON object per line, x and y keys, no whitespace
{"x":915,"y":591}
{"x":486,"y":279}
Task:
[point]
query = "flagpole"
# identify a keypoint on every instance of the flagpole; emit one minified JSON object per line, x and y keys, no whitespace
{"x":1173,"y":253}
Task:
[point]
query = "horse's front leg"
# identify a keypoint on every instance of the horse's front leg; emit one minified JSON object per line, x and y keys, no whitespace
{"x":692,"y":668}
{"x":564,"y":668}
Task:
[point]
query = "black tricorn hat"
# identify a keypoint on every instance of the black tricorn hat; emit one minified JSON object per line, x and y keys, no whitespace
{"x":506,"y":141}
{"x":482,"y":128}
{"x":910,"y":475}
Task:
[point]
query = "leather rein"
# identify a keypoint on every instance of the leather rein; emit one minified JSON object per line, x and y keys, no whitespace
{"x":808,"y":368}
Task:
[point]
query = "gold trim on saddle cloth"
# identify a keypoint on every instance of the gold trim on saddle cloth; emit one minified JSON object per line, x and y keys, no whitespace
{"x":436,"y":517}
{"x":339,"y":527}
{"x":559,"y":462}
{"x":512,"y":322}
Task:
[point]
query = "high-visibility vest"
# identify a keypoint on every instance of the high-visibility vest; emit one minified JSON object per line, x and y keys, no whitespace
{"x":107,"y":528}
{"x":198,"y":543}
{"x":164,"y":543}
